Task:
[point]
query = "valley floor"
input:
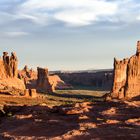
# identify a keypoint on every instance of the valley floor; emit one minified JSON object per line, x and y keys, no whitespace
{"x":57,"y":118}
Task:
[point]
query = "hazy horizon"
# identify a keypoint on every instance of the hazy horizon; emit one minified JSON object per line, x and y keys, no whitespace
{"x":69,"y":35}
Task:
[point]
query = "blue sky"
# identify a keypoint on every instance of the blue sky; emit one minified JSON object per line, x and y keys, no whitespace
{"x":69,"y":34}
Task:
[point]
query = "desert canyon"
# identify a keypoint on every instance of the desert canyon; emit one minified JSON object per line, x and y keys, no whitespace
{"x":39,"y":105}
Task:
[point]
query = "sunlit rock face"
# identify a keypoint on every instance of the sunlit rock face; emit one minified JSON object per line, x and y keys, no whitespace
{"x":33,"y":79}
{"x":8,"y":65}
{"x":28,"y":76}
{"x":9,"y":72}
{"x":120,"y":76}
{"x":43,"y":84}
{"x":133,"y":78}
{"x":127,"y":76}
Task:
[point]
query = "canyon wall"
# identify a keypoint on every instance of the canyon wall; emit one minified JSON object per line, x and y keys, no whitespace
{"x":99,"y":79}
{"x":126,"y":82}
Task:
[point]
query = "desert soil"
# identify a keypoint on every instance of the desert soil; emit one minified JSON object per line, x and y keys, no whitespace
{"x":57,"y":119}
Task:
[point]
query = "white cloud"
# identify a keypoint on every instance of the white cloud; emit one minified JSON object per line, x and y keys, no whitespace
{"x":56,"y":4}
{"x":75,"y":18}
{"x":81,"y":17}
{"x":73,"y":12}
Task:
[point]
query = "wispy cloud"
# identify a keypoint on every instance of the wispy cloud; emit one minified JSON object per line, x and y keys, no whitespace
{"x":15,"y":34}
{"x":78,"y":13}
{"x":70,"y":13}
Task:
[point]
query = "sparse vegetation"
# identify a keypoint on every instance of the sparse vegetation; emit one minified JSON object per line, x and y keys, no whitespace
{"x":60,"y":97}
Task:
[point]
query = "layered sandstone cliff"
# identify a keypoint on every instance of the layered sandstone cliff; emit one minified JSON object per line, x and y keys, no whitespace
{"x":127,"y":76}
{"x":9,"y":73}
{"x":97,"y":79}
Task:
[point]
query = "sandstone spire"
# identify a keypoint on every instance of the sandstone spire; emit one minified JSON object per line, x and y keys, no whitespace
{"x":9,"y":72}
{"x":138,"y":47}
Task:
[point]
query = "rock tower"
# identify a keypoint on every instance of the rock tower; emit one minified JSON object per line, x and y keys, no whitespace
{"x":9,"y":72}
{"x":127,"y":76}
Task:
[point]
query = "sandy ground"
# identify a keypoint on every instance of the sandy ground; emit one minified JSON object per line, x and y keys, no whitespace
{"x":82,"y":121}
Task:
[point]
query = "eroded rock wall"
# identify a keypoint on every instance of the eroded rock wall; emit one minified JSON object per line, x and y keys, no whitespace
{"x":133,"y":77}
{"x":127,"y":76}
{"x":9,"y":72}
{"x":99,"y":80}
{"x":120,"y":76}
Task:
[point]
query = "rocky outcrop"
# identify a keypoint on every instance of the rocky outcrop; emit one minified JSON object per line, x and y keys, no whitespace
{"x":8,"y":66}
{"x":30,"y":93}
{"x":120,"y":77}
{"x":127,"y":76}
{"x":43,"y":84}
{"x":30,"y":78}
{"x":133,"y":78}
{"x":9,"y":73}
{"x":58,"y":83}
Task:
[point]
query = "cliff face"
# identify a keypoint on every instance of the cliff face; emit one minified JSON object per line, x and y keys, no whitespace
{"x":133,"y":78}
{"x":9,"y":72}
{"x":99,"y":80}
{"x":127,"y":76}
{"x":120,"y":77}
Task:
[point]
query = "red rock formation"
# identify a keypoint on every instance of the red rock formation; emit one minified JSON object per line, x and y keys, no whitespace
{"x":133,"y":77}
{"x":9,"y":65}
{"x":29,"y":76}
{"x":127,"y":76}
{"x":33,"y":93}
{"x":120,"y":76}
{"x":9,"y":72}
{"x":26,"y":93}
{"x":57,"y":83}
{"x":43,"y":84}
{"x":30,"y":93}
{"x":138,"y":47}
{"x":98,"y":79}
